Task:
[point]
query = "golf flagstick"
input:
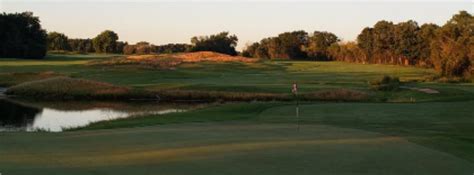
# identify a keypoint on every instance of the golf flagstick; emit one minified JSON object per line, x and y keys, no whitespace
{"x":297,"y":114}
{"x":294,"y":90}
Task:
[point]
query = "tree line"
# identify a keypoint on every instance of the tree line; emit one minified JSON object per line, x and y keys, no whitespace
{"x":21,"y":36}
{"x":222,"y":42}
{"x":144,"y":47}
{"x":105,"y":42}
{"x":293,"y":45}
{"x":448,"y":48}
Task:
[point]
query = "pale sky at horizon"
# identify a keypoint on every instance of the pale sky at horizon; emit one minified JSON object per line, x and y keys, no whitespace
{"x":165,"y":21}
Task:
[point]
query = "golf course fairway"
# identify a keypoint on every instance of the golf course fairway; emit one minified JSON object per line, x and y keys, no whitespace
{"x":228,"y":147}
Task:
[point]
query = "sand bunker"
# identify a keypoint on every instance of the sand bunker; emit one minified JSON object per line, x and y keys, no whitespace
{"x":424,"y":90}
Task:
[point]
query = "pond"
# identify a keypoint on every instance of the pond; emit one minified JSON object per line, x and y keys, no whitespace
{"x":17,"y":115}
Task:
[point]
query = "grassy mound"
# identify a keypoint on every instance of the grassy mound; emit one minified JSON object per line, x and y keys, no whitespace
{"x":68,"y":88}
{"x":212,"y":56}
{"x":166,"y":61}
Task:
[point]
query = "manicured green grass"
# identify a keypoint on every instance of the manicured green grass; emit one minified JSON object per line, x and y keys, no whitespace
{"x":222,"y":148}
{"x":211,"y":114}
{"x":445,"y":126}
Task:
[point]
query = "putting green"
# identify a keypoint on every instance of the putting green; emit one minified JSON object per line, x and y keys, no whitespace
{"x":222,"y":148}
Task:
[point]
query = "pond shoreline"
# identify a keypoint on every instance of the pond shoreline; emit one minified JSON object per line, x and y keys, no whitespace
{"x":28,"y":116}
{"x":2,"y":91}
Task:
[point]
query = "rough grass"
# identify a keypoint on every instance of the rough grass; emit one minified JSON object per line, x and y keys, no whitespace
{"x":210,"y":96}
{"x":65,"y":88}
{"x":170,"y":61}
{"x":337,"y":95}
{"x":236,"y":77}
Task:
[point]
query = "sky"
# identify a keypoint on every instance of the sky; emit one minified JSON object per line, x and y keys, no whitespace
{"x":167,"y":21}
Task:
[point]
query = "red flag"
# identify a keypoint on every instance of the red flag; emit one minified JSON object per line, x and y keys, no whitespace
{"x":294,"y":90}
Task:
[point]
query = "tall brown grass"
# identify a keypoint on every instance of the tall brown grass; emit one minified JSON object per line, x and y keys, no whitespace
{"x":336,"y":95}
{"x":167,"y":61}
{"x":68,"y":88}
{"x":11,"y":79}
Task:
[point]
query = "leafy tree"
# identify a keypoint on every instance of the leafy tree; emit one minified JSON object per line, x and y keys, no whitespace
{"x":129,"y":49}
{"x":21,"y":36}
{"x":384,"y":42}
{"x":390,"y":43}
{"x":407,"y":42}
{"x":57,"y":41}
{"x":221,"y":42}
{"x":288,"y":45}
{"x":144,"y":47}
{"x":451,"y":51}
{"x":426,"y":34}
{"x":319,"y":43}
{"x":249,"y":50}
{"x":349,"y":52}
{"x":262,"y":50}
{"x":105,"y":42}
{"x":120,"y":46}
{"x":275,"y":48}
{"x":81,"y":45}
{"x":365,"y":40}
{"x":172,"y":48}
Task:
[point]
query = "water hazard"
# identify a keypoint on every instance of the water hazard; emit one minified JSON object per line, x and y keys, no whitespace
{"x":18,"y":115}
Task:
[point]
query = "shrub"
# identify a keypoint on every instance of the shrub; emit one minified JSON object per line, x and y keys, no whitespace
{"x":386,"y":83}
{"x":453,"y":80}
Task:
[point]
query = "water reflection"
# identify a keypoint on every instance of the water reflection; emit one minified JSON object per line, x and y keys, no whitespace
{"x":16,"y":116}
{"x":33,"y":116}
